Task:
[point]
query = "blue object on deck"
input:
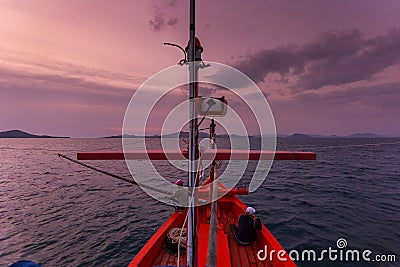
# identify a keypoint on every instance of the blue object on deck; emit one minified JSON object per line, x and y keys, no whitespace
{"x":24,"y":263}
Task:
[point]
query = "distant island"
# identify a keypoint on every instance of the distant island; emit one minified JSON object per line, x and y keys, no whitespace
{"x":22,"y":134}
{"x":299,"y":136}
{"x":293,"y":136}
{"x":172,"y":135}
{"x":355,"y":135}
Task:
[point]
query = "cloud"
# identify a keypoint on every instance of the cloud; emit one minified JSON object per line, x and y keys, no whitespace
{"x":172,"y":3}
{"x":363,"y":108}
{"x":28,"y":69}
{"x":29,"y":82}
{"x":35,"y":85}
{"x":333,"y":58}
{"x":172,"y":21}
{"x":383,"y":96}
{"x":160,"y":22}
{"x":45,"y":102}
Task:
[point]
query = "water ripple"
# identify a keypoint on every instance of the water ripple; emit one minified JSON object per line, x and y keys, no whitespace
{"x":59,"y":214}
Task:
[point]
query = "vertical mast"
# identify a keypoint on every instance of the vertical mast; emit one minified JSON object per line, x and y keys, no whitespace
{"x":193,"y":142}
{"x":212,"y":235}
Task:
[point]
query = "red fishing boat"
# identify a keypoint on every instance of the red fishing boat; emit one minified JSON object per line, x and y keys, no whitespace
{"x":228,"y":252}
{"x":200,"y":234}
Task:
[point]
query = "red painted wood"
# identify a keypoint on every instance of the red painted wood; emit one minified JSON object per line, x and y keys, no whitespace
{"x":154,"y":246}
{"x":230,"y":252}
{"x":220,"y":154}
{"x":265,"y":237}
{"x":202,"y":243}
{"x":131,"y":155}
{"x":223,"y":254}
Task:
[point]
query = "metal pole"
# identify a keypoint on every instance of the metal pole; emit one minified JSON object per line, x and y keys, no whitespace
{"x":191,"y":247}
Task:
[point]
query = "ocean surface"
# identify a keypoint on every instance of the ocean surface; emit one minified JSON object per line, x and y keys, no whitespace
{"x":57,"y":213}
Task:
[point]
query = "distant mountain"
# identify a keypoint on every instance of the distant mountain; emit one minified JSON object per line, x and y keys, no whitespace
{"x":120,"y":136}
{"x":184,"y":135}
{"x":175,"y":135}
{"x":22,"y":134}
{"x":231,"y":136}
{"x":355,"y":135}
{"x":364,"y":135}
{"x":295,"y":136}
{"x":201,"y":135}
{"x":299,"y":135}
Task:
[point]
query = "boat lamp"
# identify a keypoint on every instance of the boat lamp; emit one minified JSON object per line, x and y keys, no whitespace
{"x":212,"y":106}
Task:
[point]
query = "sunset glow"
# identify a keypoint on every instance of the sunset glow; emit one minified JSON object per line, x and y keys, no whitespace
{"x":70,"y":68}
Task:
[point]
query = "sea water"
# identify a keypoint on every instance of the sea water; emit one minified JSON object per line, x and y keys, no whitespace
{"x":57,"y":213}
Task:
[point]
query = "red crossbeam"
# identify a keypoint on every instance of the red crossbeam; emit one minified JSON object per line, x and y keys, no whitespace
{"x":220,"y":154}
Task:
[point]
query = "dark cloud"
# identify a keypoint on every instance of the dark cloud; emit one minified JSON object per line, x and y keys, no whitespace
{"x":160,"y":21}
{"x":172,"y":3}
{"x":172,"y":21}
{"x":372,"y":108}
{"x":63,"y":77}
{"x":54,"y":103}
{"x":66,"y":69}
{"x":382,"y":97}
{"x":333,"y":58}
{"x":42,"y":87}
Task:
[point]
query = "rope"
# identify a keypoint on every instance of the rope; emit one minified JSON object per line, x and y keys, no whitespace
{"x":131,"y":181}
{"x":174,"y":234}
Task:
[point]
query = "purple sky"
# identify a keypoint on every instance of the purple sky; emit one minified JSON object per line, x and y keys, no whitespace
{"x":70,"y":67}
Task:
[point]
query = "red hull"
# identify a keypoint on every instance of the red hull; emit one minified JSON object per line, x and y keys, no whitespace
{"x":229,"y":252}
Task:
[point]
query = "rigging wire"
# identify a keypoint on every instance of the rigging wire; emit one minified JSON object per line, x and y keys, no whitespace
{"x":131,"y":181}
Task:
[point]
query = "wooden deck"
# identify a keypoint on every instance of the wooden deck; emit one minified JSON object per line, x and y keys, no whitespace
{"x":230,"y":253}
